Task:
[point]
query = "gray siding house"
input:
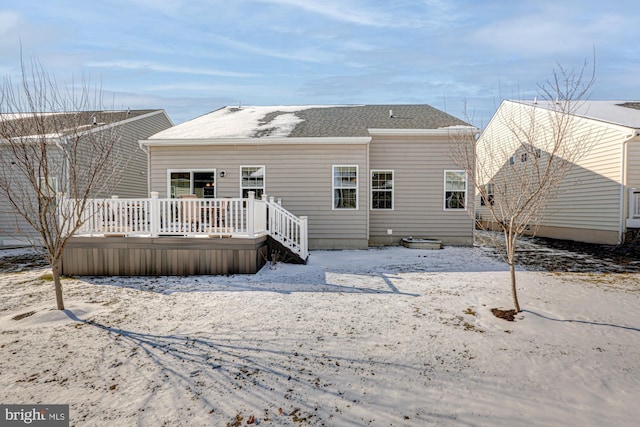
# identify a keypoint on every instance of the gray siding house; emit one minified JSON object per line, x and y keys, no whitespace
{"x":364,"y":175}
{"x":129,"y":125}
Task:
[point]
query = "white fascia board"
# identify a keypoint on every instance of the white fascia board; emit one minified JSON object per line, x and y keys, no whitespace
{"x":454,"y":130}
{"x":255,"y":141}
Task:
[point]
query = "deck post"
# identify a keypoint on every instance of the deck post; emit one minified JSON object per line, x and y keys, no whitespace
{"x":154,"y":214}
{"x":251,"y":214}
{"x":303,"y":236}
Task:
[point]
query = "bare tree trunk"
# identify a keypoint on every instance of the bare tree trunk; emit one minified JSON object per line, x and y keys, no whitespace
{"x":514,"y":292}
{"x":523,"y":159}
{"x":510,"y":242}
{"x":55,"y":268}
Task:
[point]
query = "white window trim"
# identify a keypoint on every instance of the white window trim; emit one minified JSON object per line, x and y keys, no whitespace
{"x":264,"y":178}
{"x":393,"y":189}
{"x":191,"y":171}
{"x":333,"y":188}
{"x":444,"y":192}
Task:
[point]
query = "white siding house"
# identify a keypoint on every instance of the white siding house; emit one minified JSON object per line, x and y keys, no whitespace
{"x":598,"y":202}
{"x":362,"y":174}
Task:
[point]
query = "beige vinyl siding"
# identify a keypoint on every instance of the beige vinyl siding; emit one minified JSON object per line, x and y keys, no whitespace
{"x":419,"y":164}
{"x":633,"y":164}
{"x":589,"y":197}
{"x":300,"y":175}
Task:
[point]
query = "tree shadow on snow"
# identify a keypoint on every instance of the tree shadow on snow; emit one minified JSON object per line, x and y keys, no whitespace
{"x":324,"y":282}
{"x":272,"y":378}
{"x":586,"y":322}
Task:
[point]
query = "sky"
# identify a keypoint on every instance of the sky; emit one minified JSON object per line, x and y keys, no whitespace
{"x":190,"y":57}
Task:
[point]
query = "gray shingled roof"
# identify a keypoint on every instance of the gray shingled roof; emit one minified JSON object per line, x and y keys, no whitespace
{"x":353,"y":121}
{"x":25,"y":124}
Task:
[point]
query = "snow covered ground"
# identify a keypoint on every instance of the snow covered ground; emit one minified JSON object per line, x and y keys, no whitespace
{"x":384,"y":337}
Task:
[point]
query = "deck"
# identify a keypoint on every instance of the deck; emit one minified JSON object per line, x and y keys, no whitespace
{"x":188,"y":236}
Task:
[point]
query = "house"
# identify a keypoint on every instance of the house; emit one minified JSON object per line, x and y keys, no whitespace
{"x":127,"y":126}
{"x":598,"y":201}
{"x":363,"y":175}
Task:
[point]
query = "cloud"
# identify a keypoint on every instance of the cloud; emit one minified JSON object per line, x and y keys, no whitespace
{"x":150,"y":66}
{"x":306,"y":54}
{"x":426,"y":13}
{"x":551,"y":30}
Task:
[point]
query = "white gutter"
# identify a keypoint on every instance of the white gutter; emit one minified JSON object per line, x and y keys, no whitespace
{"x":256,"y":141}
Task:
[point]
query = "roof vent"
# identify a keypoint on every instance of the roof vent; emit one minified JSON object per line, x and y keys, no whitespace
{"x":95,"y":121}
{"x":535,"y":100}
{"x":391,"y":114}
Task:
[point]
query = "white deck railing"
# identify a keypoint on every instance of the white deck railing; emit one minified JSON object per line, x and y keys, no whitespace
{"x":287,"y":228}
{"x":233,"y":217}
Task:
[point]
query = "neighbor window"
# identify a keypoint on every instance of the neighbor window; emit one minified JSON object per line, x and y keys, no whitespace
{"x":381,"y":190}
{"x":200,"y":183}
{"x":345,"y":187}
{"x":455,"y":190}
{"x":48,"y":187}
{"x":252,"y":179}
{"x":489,"y":191}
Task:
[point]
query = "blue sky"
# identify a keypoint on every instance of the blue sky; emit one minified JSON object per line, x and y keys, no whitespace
{"x":192,"y":57}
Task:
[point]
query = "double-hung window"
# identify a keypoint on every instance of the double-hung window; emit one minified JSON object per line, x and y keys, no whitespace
{"x":252,"y":179}
{"x":382,"y":189}
{"x":345,"y":187}
{"x":202,"y":183}
{"x":455,"y":190}
{"x":48,"y":186}
{"x":488,"y":190}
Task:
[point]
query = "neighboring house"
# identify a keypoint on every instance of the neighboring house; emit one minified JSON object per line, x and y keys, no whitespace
{"x":598,"y":201}
{"x":363,"y":174}
{"x":129,"y":125}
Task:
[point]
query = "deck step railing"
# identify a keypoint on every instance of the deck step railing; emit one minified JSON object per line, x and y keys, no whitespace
{"x":288,"y":229}
{"x":192,"y":216}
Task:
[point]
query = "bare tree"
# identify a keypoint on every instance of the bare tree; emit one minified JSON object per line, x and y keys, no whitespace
{"x":52,"y":143}
{"x":524,"y":157}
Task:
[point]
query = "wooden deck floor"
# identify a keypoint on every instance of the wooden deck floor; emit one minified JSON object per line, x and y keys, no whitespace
{"x":163,"y":256}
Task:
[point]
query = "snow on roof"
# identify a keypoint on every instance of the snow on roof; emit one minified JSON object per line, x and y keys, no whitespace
{"x":310,"y":121}
{"x":239,"y":122}
{"x":616,"y":112}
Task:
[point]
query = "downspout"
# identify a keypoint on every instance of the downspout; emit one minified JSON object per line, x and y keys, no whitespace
{"x":64,"y":173}
{"x":622,"y":226}
{"x":147,"y":151}
{"x":367,"y":184}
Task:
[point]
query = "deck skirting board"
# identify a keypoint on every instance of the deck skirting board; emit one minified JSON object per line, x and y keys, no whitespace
{"x":162,"y":256}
